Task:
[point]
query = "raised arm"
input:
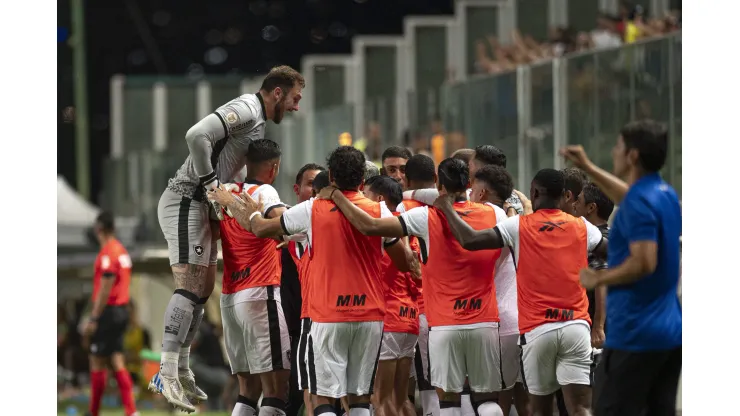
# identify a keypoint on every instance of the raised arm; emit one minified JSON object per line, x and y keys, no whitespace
{"x":614,"y":188}
{"x":201,"y":138}
{"x":363,"y":222}
{"x":468,"y":238}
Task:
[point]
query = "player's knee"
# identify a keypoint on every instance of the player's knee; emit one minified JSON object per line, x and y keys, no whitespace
{"x":488,"y":408}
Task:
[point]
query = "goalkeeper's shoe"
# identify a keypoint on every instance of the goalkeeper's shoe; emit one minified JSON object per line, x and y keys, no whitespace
{"x":192,"y":391}
{"x":171,"y":389}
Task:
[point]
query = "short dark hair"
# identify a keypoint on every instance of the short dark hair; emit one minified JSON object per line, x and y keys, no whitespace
{"x":551,"y":181}
{"x":650,"y":138}
{"x":490,"y":155}
{"x":347,"y":167}
{"x":453,"y":175}
{"x":321,"y":181}
{"x":262,"y":150}
{"x":386,"y":186}
{"x":420,"y":168}
{"x":497,"y":179}
{"x":466,"y":155}
{"x":575,"y":180}
{"x":105,"y":221}
{"x":593,"y":195}
{"x":304,"y":169}
{"x":396,"y":151}
{"x":284,"y":77}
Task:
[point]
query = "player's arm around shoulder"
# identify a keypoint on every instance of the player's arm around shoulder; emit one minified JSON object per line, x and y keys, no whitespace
{"x":386,"y":226}
{"x":466,"y":236}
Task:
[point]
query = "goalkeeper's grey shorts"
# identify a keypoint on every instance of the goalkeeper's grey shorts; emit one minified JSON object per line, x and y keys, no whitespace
{"x":190,"y":233}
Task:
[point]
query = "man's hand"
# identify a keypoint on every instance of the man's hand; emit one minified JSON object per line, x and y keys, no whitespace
{"x":90,"y":328}
{"x":576,"y":155}
{"x":415,"y":267}
{"x":443,"y":201}
{"x":219,"y":197}
{"x":250,"y":204}
{"x":526,"y":203}
{"x":326,"y":192}
{"x":589,"y":278}
{"x":597,"y":337}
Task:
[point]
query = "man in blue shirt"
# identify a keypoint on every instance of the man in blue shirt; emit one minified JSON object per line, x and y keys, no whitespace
{"x":641,"y":364}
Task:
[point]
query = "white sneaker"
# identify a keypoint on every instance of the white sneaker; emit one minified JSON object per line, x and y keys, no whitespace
{"x":192,"y":391}
{"x":171,"y":389}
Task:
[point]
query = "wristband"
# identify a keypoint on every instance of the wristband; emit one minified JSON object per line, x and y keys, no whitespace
{"x":331,"y":195}
{"x":253,"y":214}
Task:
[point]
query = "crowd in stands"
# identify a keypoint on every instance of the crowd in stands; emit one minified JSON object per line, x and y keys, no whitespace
{"x":629,"y":26}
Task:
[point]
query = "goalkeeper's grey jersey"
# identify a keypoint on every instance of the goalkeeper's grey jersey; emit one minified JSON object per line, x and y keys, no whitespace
{"x":218,"y":146}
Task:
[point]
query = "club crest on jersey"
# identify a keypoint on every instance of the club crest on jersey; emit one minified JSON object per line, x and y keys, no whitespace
{"x":232,"y":118}
{"x":198,"y":250}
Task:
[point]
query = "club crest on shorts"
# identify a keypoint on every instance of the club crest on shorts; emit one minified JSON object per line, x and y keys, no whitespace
{"x":232,"y":118}
{"x":198,"y":250}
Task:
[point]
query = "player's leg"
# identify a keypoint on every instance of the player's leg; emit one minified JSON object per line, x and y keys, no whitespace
{"x":538,"y":371}
{"x":427,"y":393}
{"x":235,"y":341}
{"x":483,"y":361}
{"x":362,"y":365}
{"x":187,"y":379}
{"x":466,"y":403}
{"x":382,"y":398}
{"x":573,"y":368}
{"x":662,"y":396}
{"x":327,"y":354}
{"x":99,"y":356}
{"x":412,"y":386}
{"x":250,"y":390}
{"x":268,"y":349}
{"x":511,"y":369}
{"x":123,"y":377}
{"x":447,"y":369}
{"x":102,"y":346}
{"x":401,"y":401}
{"x":301,"y":364}
{"x":385,"y":380}
{"x":185,"y":225}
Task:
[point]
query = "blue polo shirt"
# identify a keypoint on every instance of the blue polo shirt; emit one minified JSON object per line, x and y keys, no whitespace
{"x":646,"y":315}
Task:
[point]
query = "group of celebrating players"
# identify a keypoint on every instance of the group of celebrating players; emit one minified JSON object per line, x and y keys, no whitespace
{"x":445,"y":276}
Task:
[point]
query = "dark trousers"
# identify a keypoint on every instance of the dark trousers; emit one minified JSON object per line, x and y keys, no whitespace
{"x":295,"y":394}
{"x":637,"y":383}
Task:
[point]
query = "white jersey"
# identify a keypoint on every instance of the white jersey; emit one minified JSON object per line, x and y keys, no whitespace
{"x":218,"y":146}
{"x":505,"y":283}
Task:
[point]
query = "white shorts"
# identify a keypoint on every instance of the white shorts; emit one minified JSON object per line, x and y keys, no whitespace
{"x":511,"y":360}
{"x":397,"y":345}
{"x":455,"y":353}
{"x":256,"y":336}
{"x":557,"y":358}
{"x":300,"y":355}
{"x":343,"y":357}
{"x":421,"y":356}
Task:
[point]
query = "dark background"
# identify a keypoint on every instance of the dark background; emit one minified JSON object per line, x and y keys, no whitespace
{"x":256,"y":35}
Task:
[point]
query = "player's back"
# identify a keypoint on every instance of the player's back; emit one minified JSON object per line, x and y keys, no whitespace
{"x":553,"y":248}
{"x":401,"y":313}
{"x":459,"y":283}
{"x":113,"y":258}
{"x":345,"y":265}
{"x":249,"y":261}
{"x":242,"y":120}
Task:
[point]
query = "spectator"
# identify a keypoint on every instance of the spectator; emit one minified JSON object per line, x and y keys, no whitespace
{"x":606,"y":34}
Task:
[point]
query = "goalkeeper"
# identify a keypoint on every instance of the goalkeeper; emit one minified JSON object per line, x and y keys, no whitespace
{"x":218,"y":145}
